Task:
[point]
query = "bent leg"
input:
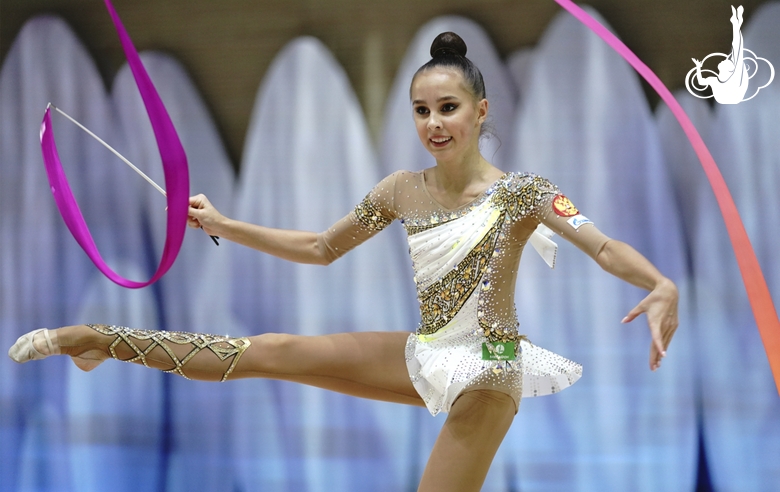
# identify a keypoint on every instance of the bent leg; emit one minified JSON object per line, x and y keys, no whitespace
{"x":468,"y":441}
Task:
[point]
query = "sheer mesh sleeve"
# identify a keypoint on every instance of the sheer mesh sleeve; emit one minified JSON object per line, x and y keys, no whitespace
{"x":374,"y":213}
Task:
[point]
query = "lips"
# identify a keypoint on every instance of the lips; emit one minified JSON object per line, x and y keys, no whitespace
{"x":440,"y":141}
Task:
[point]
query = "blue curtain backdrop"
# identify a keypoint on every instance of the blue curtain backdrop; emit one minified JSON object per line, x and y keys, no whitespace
{"x":584,"y":124}
{"x":568,"y":109}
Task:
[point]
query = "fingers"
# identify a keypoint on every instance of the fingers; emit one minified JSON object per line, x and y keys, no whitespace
{"x":662,"y":321}
{"x":203,"y":215}
{"x":631,"y":316}
{"x":193,"y":222}
{"x":655,"y":358}
{"x":661,"y":339}
{"x":657,"y":346}
{"x":199,"y":201}
{"x":657,"y":349}
{"x":198,"y":204}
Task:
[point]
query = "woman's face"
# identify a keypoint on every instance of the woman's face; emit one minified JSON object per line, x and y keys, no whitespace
{"x":447,"y":117}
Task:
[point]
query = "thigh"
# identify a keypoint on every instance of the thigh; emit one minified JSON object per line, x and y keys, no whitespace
{"x":367,"y":364}
{"x":468,"y":441}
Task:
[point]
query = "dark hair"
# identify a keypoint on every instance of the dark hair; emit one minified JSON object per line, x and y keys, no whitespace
{"x":449,"y":50}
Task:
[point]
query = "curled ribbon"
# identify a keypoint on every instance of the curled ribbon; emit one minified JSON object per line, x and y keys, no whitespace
{"x":755,"y":284}
{"x":174,"y":162}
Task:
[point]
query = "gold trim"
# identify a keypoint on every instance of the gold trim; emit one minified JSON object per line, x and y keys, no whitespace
{"x":525,"y":198}
{"x":442,"y":300}
{"x":236,"y":348}
{"x":368,"y":215}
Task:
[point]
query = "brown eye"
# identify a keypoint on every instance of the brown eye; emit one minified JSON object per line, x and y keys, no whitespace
{"x":448,"y":108}
{"x":422,"y":110}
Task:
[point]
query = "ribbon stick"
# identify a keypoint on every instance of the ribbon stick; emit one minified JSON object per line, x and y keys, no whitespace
{"x":755,"y":284}
{"x":123,"y":158}
{"x":174,"y":162}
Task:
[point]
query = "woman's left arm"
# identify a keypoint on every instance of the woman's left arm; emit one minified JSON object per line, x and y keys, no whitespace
{"x":623,"y":261}
{"x":626,"y":263}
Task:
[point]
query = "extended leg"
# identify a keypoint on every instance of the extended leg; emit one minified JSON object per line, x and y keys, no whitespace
{"x":469,"y":439}
{"x":365,"y":364}
{"x":368,"y":365}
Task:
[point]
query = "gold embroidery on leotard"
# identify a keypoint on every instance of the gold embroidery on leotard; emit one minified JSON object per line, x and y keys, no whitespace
{"x":522,"y":196}
{"x":368,"y":215}
{"x":497,"y":334}
{"x":440,"y":302}
{"x":515,"y":196}
{"x":414,"y":229}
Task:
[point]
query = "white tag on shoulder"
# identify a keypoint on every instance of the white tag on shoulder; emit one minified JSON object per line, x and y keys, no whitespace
{"x":546,"y":247}
{"x":578,"y":221}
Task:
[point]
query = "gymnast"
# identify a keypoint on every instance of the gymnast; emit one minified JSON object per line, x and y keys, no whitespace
{"x":731,"y":84}
{"x":467,"y":223}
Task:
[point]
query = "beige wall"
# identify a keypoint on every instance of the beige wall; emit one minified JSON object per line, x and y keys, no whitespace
{"x":227,"y":45}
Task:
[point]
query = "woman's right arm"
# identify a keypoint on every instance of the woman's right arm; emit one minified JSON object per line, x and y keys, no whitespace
{"x":297,"y":246}
{"x":370,"y":216}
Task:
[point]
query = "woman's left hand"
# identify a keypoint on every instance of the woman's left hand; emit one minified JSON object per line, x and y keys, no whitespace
{"x":661,"y":309}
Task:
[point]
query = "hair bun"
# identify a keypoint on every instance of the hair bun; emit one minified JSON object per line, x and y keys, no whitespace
{"x":448,"y":43}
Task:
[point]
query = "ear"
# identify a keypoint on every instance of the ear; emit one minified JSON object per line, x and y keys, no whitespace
{"x":482,"y":110}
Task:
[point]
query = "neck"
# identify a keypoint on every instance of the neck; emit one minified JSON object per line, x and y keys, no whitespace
{"x":456,"y":174}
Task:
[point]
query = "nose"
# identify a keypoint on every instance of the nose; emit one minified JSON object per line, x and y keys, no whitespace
{"x":434,"y":123}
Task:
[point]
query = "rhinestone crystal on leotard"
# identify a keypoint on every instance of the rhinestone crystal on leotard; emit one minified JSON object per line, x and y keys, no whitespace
{"x":440,"y":302}
{"x":369,"y":216}
{"x":472,"y":302}
{"x":520,"y":197}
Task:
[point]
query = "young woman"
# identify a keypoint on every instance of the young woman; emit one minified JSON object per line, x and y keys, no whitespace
{"x":467,"y":224}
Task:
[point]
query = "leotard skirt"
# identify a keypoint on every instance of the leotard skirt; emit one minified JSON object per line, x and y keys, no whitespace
{"x":445,"y":364}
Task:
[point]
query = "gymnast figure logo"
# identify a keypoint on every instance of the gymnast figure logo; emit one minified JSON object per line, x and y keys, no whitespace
{"x":730,"y":84}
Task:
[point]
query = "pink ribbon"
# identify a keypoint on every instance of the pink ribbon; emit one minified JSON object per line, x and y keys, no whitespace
{"x":174,"y":161}
{"x":755,"y":284}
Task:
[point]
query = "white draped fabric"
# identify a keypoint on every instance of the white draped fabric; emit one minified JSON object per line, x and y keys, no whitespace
{"x":304,"y":170}
{"x":116,"y":413}
{"x":46,"y":278}
{"x":519,"y":65}
{"x":401,"y":149}
{"x":585,"y":125}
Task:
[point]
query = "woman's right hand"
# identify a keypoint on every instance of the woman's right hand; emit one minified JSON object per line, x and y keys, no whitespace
{"x":202,"y":214}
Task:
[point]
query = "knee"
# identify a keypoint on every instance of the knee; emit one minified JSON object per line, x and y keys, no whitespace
{"x":490,"y":403}
{"x":491,"y":397}
{"x":273,"y":350}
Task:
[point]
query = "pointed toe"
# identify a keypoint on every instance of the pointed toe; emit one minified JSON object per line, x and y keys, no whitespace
{"x":24,"y":350}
